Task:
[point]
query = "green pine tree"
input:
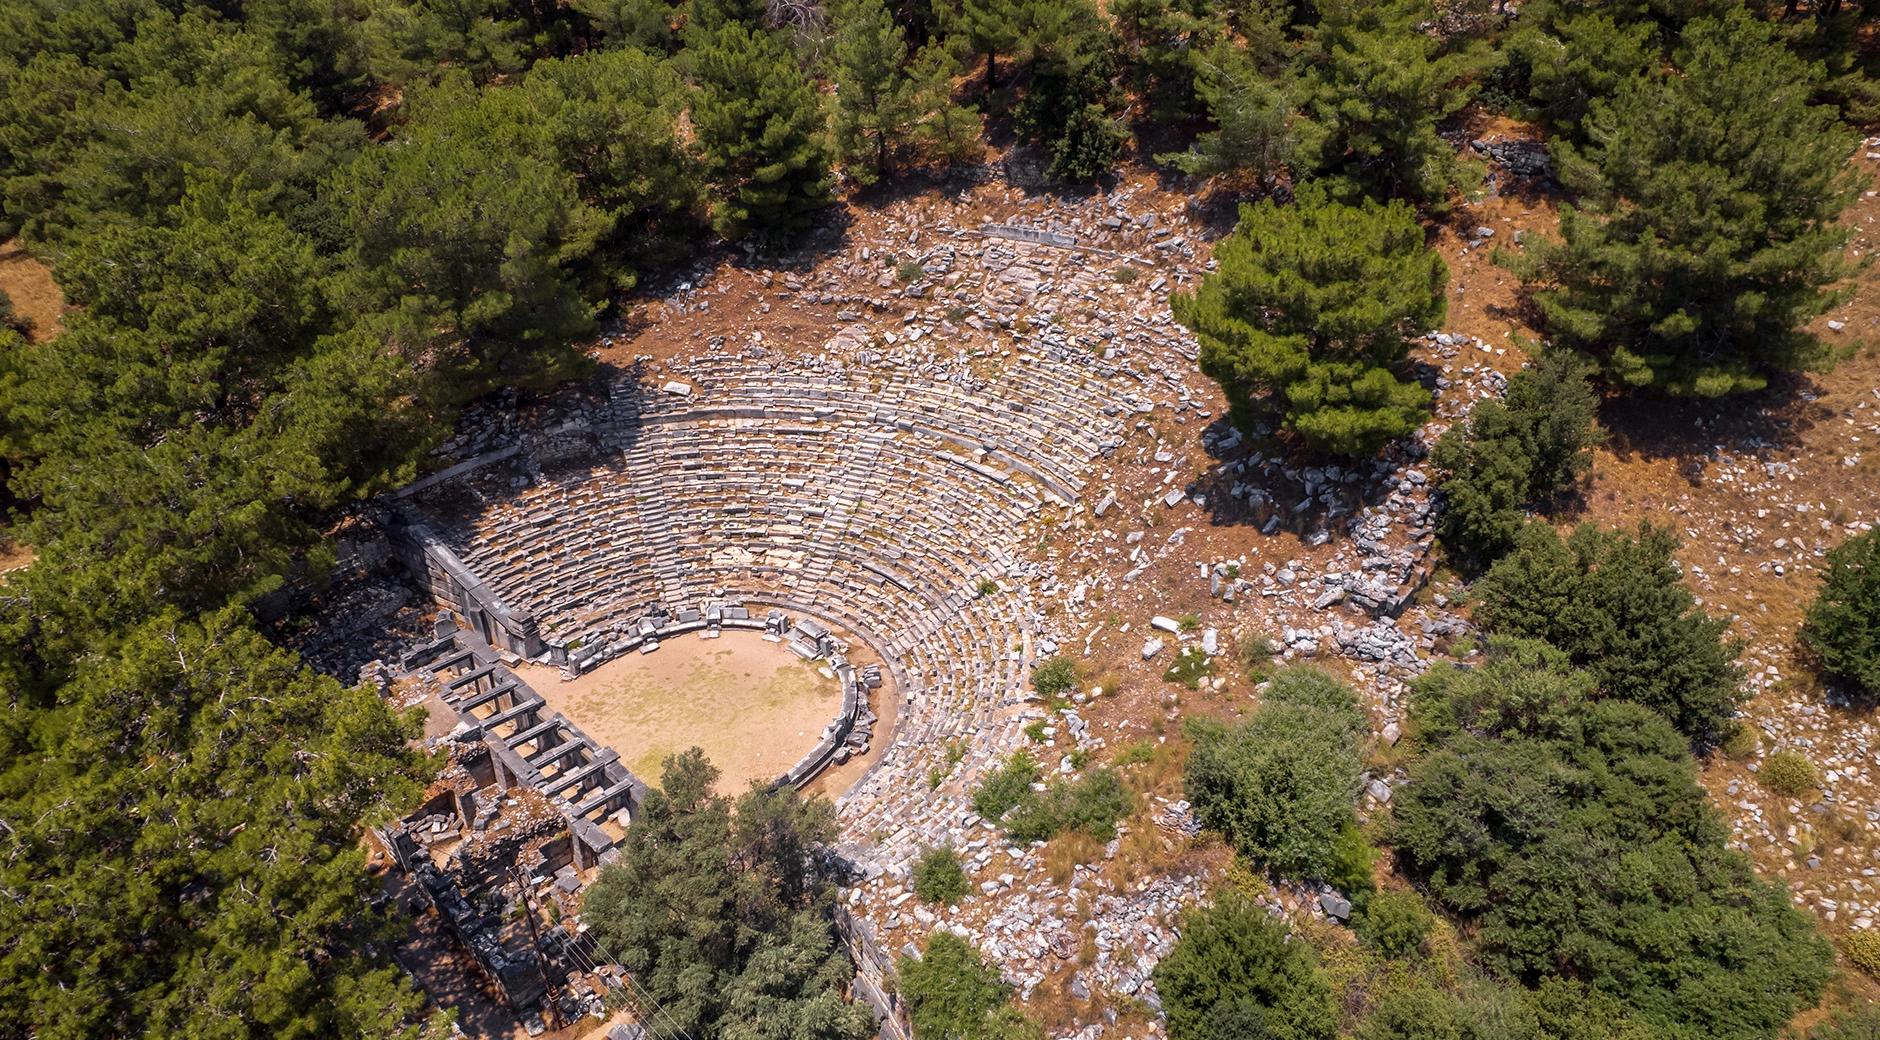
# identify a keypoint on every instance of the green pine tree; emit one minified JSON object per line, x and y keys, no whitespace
{"x":721,"y":913}
{"x":183,"y":826}
{"x":411,"y":40}
{"x":1843,"y":627}
{"x":466,"y":236}
{"x":1162,"y":42}
{"x":704,"y":17}
{"x":988,"y":28}
{"x":1705,"y":237}
{"x":1314,"y":303}
{"x":944,"y":130}
{"x":1376,"y":87}
{"x":210,"y":98}
{"x":760,"y":134}
{"x":612,"y":121}
{"x":873,"y":97}
{"x":1573,"y":58}
{"x":1253,"y":115}
{"x":1069,"y":103}
{"x":642,"y":24}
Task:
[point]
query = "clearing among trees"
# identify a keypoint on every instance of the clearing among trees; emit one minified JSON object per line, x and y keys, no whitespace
{"x":753,"y":706}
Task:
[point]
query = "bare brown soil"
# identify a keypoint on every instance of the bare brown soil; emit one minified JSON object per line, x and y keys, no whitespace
{"x":753,"y":706}
{"x":28,"y":283}
{"x":13,"y":555}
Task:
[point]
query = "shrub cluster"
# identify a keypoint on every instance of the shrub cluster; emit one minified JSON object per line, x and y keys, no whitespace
{"x":1617,"y":604}
{"x":1572,"y":838}
{"x":1011,"y":797}
{"x":1394,"y":922}
{"x":951,"y":992}
{"x":938,"y":877}
{"x":1091,"y":805}
{"x":1282,"y":784}
{"x":1863,"y":948}
{"x":1054,"y":677}
{"x":1531,"y":445}
{"x":1788,"y":773}
{"x":1006,"y":786}
{"x":1237,"y":972}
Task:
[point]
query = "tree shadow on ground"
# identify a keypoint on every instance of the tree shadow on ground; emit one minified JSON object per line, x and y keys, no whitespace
{"x":1653,"y":427}
{"x":1286,"y":488}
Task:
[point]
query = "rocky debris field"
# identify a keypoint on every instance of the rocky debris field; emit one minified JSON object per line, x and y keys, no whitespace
{"x":1185,"y":516}
{"x":1195,"y":542}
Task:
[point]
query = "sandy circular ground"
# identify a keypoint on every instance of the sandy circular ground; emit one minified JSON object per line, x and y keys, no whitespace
{"x":755,"y":707}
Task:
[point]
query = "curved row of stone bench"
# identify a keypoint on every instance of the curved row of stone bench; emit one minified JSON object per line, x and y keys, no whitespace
{"x":878,"y":501}
{"x":626,"y":531}
{"x":971,"y":418}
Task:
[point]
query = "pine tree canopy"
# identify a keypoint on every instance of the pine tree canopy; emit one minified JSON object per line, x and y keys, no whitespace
{"x":1377,"y":86}
{"x":182,"y":847}
{"x":720,"y":909}
{"x":1843,"y":627}
{"x":1315,"y":302}
{"x":1705,"y":233}
{"x":760,"y":133}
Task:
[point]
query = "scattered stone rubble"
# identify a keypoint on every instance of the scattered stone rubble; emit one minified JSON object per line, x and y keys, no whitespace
{"x":486,"y":848}
{"x":881,"y":482}
{"x":1520,"y":157}
{"x":1018,"y":387}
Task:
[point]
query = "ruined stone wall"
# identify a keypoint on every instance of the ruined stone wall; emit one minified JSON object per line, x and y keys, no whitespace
{"x":455,"y":587}
{"x":874,"y":975}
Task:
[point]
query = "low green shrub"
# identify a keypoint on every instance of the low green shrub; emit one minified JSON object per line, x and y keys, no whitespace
{"x":1742,"y":742}
{"x":1054,"y":677}
{"x":1190,"y":667}
{"x":939,"y":878}
{"x":1350,"y":865}
{"x":1091,"y":805}
{"x":1394,"y":922}
{"x":1134,"y":754}
{"x":1789,"y":773}
{"x":951,"y":992}
{"x":1863,"y":948}
{"x":1236,"y":973}
{"x":1006,"y":786}
{"x":1281,"y":785}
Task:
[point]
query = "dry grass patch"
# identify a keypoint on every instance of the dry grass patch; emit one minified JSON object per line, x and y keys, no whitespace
{"x":1067,"y":852}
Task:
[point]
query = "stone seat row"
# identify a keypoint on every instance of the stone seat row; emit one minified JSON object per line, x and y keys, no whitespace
{"x":872,"y":496}
{"x":1037,"y":412}
{"x":724,"y":514}
{"x":1021,"y":453}
{"x":898,"y":549}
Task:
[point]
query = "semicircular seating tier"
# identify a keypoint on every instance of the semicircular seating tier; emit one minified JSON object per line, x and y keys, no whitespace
{"x":876,"y":495}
